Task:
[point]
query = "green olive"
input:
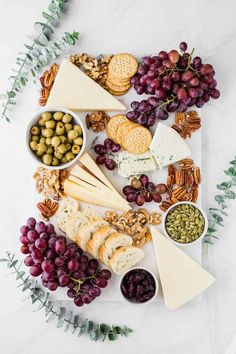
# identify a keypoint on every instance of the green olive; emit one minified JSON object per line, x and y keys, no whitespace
{"x":35,"y":138}
{"x":78,"y":141}
{"x":70,"y":141}
{"x":68,"y":146}
{"x":47,"y":133}
{"x":63,"y":139}
{"x":62,"y":148}
{"x":68,"y":127}
{"x":47,"y":159}
{"x":55,"y":161}
{"x":60,"y":129}
{"x":75,"y":149}
{"x":64,"y":160}
{"x":41,"y":122}
{"x":78,"y":129}
{"x":46,"y":116}
{"x":49,"y":150}
{"x":66,"y":118}
{"x":72,"y":134}
{"x":50,"y":124}
{"x":58,"y":155}
{"x":39,"y":153}
{"x":49,"y":141}
{"x":70,"y":156}
{"x":33,"y":145}
{"x":42,"y":140}
{"x":35,"y":130}
{"x":58,"y":115}
{"x":42,"y":147}
{"x":55,"y":141}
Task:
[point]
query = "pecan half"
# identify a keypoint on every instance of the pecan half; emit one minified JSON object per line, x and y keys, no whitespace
{"x":197,"y":175}
{"x":179,"y":177}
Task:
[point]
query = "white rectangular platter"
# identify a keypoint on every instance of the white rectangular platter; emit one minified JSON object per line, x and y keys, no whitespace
{"x":112,"y":293}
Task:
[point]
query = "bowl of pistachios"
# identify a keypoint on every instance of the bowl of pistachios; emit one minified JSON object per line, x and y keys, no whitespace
{"x":185,"y":223}
{"x":55,"y":137}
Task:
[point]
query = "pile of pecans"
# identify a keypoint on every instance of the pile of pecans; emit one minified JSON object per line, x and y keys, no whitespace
{"x":97,"y":121}
{"x":186,"y":123}
{"x":50,"y":182}
{"x":134,"y":223}
{"x":182,"y":183}
{"x":95,"y":67}
{"x":46,"y":81}
{"x":47,"y":208}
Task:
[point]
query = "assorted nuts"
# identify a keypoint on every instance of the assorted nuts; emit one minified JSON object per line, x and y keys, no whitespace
{"x":46,"y":81}
{"x":97,"y":121}
{"x":186,"y":123}
{"x":55,"y":138}
{"x":184,"y":223}
{"x":50,"y":182}
{"x":47,"y":208}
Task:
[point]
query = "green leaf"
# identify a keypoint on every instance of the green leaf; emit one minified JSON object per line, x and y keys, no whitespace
{"x":112,"y":336}
{"x":219,"y":198}
{"x":229,"y":194}
{"x":208,"y":241}
{"x":233,"y":162}
{"x":224,"y":213}
{"x":211,"y":230}
{"x":29,"y":47}
{"x":230,"y":172}
{"x":224,"y":186}
{"x":104,"y":329}
{"x":216,"y":209}
{"x":4,"y":260}
{"x":22,"y":80}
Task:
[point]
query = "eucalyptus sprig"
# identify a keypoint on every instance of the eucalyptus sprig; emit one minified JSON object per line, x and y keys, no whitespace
{"x":218,"y":213}
{"x":39,"y":51}
{"x":53,"y":312}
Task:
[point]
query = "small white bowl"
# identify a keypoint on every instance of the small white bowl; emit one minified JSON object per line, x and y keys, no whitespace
{"x":199,"y":238}
{"x":34,"y":121}
{"x":156,"y":285}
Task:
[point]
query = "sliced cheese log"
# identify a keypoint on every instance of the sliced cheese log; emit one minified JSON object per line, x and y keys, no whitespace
{"x":81,"y":193}
{"x":167,"y":146}
{"x":75,"y":90}
{"x":99,"y":192}
{"x":88,"y":162}
{"x":181,"y":277}
{"x":80,"y":173}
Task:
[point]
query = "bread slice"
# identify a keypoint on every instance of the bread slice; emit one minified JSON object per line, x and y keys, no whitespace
{"x":85,"y":233}
{"x":116,"y":240}
{"x":98,"y":239}
{"x":73,"y":224}
{"x":67,"y":207}
{"x":91,"y":214}
{"x":125,"y":258}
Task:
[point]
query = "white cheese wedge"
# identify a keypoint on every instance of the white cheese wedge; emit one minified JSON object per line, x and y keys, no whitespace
{"x":75,"y":90}
{"x":181,"y":277}
{"x":133,"y":165}
{"x":99,"y":192}
{"x":167,"y":146}
{"x":81,"y":193}
{"x":88,"y":162}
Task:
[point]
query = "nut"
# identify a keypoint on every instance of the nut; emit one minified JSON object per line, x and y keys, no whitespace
{"x":50,"y":182}
{"x":47,"y":208}
{"x":46,"y":82}
{"x":97,"y":121}
{"x":197,"y":175}
{"x":179,"y":177}
{"x":186,"y":123}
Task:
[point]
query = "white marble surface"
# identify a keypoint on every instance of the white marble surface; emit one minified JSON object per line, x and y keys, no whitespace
{"x":139,"y":27}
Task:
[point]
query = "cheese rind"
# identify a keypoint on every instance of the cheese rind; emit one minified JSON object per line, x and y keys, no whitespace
{"x":167,"y":146}
{"x":75,"y":90}
{"x":181,"y":277}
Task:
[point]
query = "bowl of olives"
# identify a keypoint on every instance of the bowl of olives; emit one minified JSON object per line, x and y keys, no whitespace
{"x":139,"y":286}
{"x":55,"y":137}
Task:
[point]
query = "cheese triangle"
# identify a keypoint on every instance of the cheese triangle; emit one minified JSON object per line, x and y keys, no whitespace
{"x":181,"y":277}
{"x":75,"y":90}
{"x":167,"y":146}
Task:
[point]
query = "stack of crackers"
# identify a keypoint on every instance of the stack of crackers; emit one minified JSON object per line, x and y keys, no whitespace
{"x":133,"y":137}
{"x":120,"y":70}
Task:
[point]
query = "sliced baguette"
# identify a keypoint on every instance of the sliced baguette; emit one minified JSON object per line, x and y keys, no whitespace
{"x":85,"y":232}
{"x":91,"y":214}
{"x":67,"y":207}
{"x":73,"y":224}
{"x":98,"y":239}
{"x":125,"y":258}
{"x":113,"y":242}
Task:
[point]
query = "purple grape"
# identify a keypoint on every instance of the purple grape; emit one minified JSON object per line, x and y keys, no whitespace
{"x":31,"y":223}
{"x":182,"y":107}
{"x":151,"y":119}
{"x":206,"y":97}
{"x":100,"y":159}
{"x":148,"y":197}
{"x":93,"y":263}
{"x":175,"y":76}
{"x":160,"y":93}
{"x":101,"y":282}
{"x":157,"y":197}
{"x":24,"y":230}
{"x":32,"y":235}
{"x":105,"y":273}
{"x":183,"y":46}
{"x":142,"y":119}
{"x":78,"y":301}
{"x":193,"y":93}
{"x":40,"y":227}
{"x":44,"y":235}
{"x":159,"y":113}
{"x":115,"y":147}
{"x":172,"y":106}
{"x":100,"y":149}
{"x":197,"y":62}
{"x":203,"y":85}
{"x":134,"y":80}
{"x":147,"y":60}
{"x":200,"y":102}
{"x":187,"y":76}
{"x":110,"y":164}
{"x":50,"y":229}
{"x":135,"y":105}
{"x":140,"y":200}
{"x":131,"y":197}
{"x":73,"y":265}
{"x":60,"y":246}
{"x":194,"y":82}
{"x":200,"y":92}
{"x":59,"y":261}
{"x":24,"y":249}
{"x":37,"y":256}
{"x":95,"y":292}
{"x":50,"y":254}
{"x":47,"y":276}
{"x":140,"y":89}
{"x":41,"y":244}
{"x":144,"y":180}
{"x":214,"y":93}
{"x":47,"y":266}
{"x":182,"y":94}
{"x":132,"y":115}
{"x":142,"y":70}
{"x":71,"y":293}
{"x":24,"y":240}
{"x":53,"y":285}
{"x":150,"y":187}
{"x":83,"y":259}
{"x":35,"y":270}
{"x":29,"y":261}
{"x":63,"y":280}
{"x":128,"y":189}
{"x":164,"y":116}
{"x":108,"y":143}
{"x":51,"y":242}
{"x":162,"y":55}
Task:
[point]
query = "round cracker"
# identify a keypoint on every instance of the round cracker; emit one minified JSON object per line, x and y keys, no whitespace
{"x":117,"y":88}
{"x":113,"y":125}
{"x":123,"y":66}
{"x":123,"y":130}
{"x":117,"y":93}
{"x":138,"y":140}
{"x":117,"y":81}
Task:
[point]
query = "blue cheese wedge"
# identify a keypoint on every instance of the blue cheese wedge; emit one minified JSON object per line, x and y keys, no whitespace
{"x":167,"y":146}
{"x":132,"y":165}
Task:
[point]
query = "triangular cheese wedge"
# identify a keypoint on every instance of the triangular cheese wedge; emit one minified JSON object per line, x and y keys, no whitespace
{"x":75,"y":90}
{"x":181,"y":277}
{"x":167,"y":146}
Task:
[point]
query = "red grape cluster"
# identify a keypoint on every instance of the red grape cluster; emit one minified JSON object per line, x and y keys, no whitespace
{"x":105,"y":153}
{"x":176,"y":81}
{"x":141,"y":191}
{"x":61,"y":264}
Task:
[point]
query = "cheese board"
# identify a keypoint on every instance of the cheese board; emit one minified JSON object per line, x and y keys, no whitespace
{"x":115,"y":180}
